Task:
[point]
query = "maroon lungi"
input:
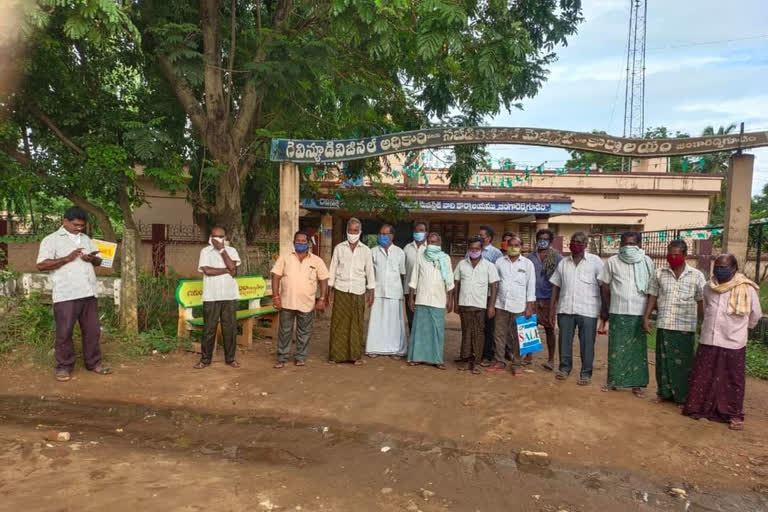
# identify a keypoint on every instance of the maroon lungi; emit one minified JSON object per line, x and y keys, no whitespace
{"x":716,"y":384}
{"x":86,"y":312}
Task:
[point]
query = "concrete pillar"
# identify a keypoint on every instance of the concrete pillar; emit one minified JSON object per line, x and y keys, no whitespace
{"x":289,"y":205}
{"x":542,"y":221}
{"x":737,"y":206}
{"x":338,"y":231}
{"x":326,"y":238}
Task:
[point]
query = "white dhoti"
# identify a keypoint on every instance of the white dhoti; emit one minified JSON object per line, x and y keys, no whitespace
{"x":386,"y":328}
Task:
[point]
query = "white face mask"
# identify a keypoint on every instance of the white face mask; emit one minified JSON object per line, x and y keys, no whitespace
{"x":219,"y":239}
{"x":353,"y":239}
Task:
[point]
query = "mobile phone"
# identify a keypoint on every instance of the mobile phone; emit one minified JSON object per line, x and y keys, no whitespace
{"x":94,"y":253}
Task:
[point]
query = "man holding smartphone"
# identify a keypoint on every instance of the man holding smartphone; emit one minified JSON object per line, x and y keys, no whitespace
{"x":70,"y":256}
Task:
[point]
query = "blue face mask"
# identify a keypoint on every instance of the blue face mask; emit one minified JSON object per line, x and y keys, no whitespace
{"x":300,"y":247}
{"x":542,"y":244}
{"x":384,"y":240}
{"x":419,"y":237}
{"x":722,"y":274}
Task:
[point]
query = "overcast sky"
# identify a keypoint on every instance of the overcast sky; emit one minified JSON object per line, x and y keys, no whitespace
{"x":707,"y":64}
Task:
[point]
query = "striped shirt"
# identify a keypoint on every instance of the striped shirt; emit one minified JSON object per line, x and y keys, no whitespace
{"x":620,"y":276}
{"x":677,"y":297}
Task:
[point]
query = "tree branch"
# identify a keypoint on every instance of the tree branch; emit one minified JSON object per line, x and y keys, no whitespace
{"x":232,"y":49}
{"x":251,"y":98}
{"x":184,"y":93}
{"x":47,"y":121}
{"x":214,"y":86}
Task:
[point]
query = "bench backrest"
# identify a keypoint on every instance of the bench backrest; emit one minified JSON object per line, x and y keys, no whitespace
{"x":189,"y":292}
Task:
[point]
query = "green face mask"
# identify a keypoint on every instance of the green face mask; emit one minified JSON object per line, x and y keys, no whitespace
{"x":433,"y":249}
{"x":629,"y":250}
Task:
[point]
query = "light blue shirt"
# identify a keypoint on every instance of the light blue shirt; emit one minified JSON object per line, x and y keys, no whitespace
{"x":491,"y":253}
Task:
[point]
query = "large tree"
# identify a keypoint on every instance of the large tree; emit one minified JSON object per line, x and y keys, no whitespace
{"x":80,"y":123}
{"x":247,"y":70}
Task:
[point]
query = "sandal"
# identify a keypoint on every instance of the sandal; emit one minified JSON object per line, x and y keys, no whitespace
{"x":440,"y":367}
{"x":331,"y":361}
{"x":413,"y":363}
{"x":101,"y":370}
{"x":495,"y":368}
{"x":516,"y":372}
{"x":278,"y":365}
{"x":561,"y":375}
{"x":584,"y":381}
{"x":301,"y":363}
{"x":63,"y":375}
{"x":200,"y":365}
{"x":233,"y":364}
{"x":548,"y":366}
{"x":476,"y":371}
{"x":359,"y":362}
{"x":372,"y":356}
{"x":639,"y":393}
{"x":736,"y":425}
{"x":462,"y":367}
{"x":485,"y":364}
{"x":396,"y":357}
{"x":607,"y":388}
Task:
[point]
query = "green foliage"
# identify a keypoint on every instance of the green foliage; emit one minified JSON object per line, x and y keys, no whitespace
{"x":150,"y":342}
{"x":757,"y":360}
{"x":157,"y":308}
{"x":27,"y":323}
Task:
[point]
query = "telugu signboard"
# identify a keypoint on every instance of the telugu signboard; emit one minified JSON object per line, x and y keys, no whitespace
{"x":449,"y":205}
{"x":330,"y":151}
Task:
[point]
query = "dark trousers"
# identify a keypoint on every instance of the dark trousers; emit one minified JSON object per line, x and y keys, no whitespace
{"x":472,"y":333}
{"x":304,"y":323}
{"x":216,"y":311}
{"x":506,"y":340}
{"x":86,"y":312}
{"x":587,"y":328}
{"x":489,"y":346}
{"x":408,"y":314}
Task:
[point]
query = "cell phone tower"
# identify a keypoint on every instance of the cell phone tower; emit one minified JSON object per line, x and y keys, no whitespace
{"x":634,"y":96}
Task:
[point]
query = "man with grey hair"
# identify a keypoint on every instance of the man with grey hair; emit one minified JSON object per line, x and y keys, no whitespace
{"x":351,"y":286}
{"x":576,"y":302}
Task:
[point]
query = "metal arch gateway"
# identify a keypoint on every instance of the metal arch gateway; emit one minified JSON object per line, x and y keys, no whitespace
{"x":331,"y":151}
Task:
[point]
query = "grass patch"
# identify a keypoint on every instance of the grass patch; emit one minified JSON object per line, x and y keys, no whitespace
{"x":757,"y":360}
{"x":764,"y":296}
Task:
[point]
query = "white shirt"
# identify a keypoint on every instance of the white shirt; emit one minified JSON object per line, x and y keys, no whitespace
{"x":223,"y":286}
{"x":412,"y":253}
{"x":389,"y":268}
{"x":579,"y":286}
{"x":428,"y":282}
{"x":352,"y":270}
{"x":475,"y":282}
{"x":73,"y":280}
{"x":625,"y":299}
{"x":518,"y":284}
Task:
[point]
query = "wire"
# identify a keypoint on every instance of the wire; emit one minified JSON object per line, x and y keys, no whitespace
{"x":704,"y":43}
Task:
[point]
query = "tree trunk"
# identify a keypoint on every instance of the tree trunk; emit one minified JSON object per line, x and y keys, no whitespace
{"x":129,"y":317}
{"x":229,"y":213}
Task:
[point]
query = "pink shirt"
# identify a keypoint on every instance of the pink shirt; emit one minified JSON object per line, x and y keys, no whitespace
{"x":721,"y":329}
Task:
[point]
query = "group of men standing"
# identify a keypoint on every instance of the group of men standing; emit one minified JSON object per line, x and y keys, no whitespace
{"x":490,"y":289}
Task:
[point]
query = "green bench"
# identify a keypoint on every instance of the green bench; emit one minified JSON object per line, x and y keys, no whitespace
{"x":189,"y":296}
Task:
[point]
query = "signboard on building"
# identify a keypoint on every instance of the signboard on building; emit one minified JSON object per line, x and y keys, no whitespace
{"x":458,"y":206}
{"x":332,"y":151}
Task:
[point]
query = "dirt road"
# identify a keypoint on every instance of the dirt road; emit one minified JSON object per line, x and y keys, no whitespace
{"x":450,"y":433}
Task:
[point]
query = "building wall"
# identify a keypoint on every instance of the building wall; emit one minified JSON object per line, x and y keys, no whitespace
{"x":162,"y":207}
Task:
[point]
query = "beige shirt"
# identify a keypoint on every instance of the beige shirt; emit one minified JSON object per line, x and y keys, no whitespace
{"x":298,"y":283}
{"x":579,"y":285}
{"x":73,"y":280}
{"x":352,"y":271}
{"x":223,"y":286}
{"x":428,"y":282}
{"x":475,"y":282}
{"x":412,"y":253}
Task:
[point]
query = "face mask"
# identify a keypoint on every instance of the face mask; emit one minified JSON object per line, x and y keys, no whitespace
{"x":542,"y":244}
{"x":300,"y":247}
{"x":513,"y":251}
{"x":384,"y":240}
{"x":353,"y":239}
{"x":419,"y":237}
{"x":475,"y":254}
{"x":219,"y":239}
{"x":675,"y":260}
{"x":576,"y":248}
{"x":433,"y":249}
{"x":629,"y":250}
{"x":503,"y":246}
{"x":722,"y":274}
